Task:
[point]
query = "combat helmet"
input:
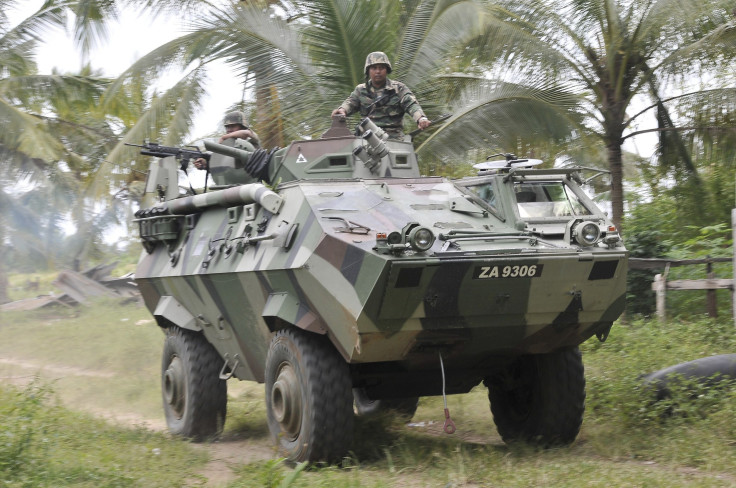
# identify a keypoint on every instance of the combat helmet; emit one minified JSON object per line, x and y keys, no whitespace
{"x":377,"y":57}
{"x":236,"y":117}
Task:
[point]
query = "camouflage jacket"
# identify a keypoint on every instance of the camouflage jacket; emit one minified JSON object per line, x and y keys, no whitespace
{"x":388,"y":113}
{"x":255,"y":140}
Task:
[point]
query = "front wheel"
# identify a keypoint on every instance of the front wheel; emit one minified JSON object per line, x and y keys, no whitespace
{"x":539,"y":398}
{"x":308,"y":397}
{"x":194,"y":396}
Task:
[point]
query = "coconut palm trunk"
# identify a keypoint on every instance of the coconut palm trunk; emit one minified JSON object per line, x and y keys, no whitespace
{"x":616,"y":166}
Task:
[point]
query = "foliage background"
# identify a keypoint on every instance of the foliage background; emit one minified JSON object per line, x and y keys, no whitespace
{"x":566,"y":81}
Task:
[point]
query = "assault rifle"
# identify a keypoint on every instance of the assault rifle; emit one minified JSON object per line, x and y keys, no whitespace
{"x":181,"y":154}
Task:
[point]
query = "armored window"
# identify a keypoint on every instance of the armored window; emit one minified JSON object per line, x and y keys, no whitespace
{"x":342,"y":161}
{"x":547,"y":199}
{"x":486,"y":193}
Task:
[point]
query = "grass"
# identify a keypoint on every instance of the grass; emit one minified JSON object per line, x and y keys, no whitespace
{"x":45,"y":445}
{"x":105,"y":359}
{"x":22,"y":285}
{"x":108,"y":352}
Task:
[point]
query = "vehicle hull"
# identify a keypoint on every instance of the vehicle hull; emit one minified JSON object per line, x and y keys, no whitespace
{"x":477,"y":308}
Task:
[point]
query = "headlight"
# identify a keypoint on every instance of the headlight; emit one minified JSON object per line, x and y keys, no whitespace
{"x":421,"y":239}
{"x":394,"y":238}
{"x":586,"y":233}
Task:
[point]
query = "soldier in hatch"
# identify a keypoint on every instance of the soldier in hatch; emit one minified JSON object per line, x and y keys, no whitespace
{"x":383,"y":100}
{"x":235,"y":128}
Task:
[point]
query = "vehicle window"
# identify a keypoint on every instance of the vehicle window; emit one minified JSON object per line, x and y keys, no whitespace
{"x":547,"y":199}
{"x":486,"y":193}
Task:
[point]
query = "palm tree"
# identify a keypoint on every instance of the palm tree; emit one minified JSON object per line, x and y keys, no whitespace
{"x":302,"y":58}
{"x":51,"y":133}
{"x":622,"y":53}
{"x":29,"y":146}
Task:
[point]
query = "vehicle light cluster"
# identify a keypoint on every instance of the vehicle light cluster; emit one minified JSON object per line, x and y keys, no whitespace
{"x":412,"y":237}
{"x":587,"y":233}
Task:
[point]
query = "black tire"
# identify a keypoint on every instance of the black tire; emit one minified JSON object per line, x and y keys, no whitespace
{"x":365,"y":407}
{"x":539,"y":399}
{"x":194,"y":396}
{"x":309,"y":402}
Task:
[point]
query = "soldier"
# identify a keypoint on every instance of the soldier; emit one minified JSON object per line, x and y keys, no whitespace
{"x":235,"y":127}
{"x":383,"y":100}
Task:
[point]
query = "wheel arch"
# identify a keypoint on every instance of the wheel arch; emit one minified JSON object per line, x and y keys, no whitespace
{"x":282,"y":309}
{"x":169,"y":312}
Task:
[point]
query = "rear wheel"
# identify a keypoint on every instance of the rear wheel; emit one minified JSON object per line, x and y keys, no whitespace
{"x":308,"y":397}
{"x":194,"y":396}
{"x":539,"y":398}
{"x":364,"y":406}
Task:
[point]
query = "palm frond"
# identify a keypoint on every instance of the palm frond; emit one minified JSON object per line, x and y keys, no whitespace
{"x":341,"y":34}
{"x":177,"y":53}
{"x":91,"y":18}
{"x":438,"y":28}
{"x":178,"y":8}
{"x":497,"y":116}
{"x":60,"y":88}
{"x":49,"y":16}
{"x":169,"y":115}
{"x":25,"y":133}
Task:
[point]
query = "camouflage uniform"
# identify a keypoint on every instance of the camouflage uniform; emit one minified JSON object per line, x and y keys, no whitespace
{"x":238,"y":117}
{"x":389,"y":113}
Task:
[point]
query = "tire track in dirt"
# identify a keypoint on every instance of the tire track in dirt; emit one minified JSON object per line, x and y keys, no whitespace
{"x":225,"y":454}
{"x":56,"y":370}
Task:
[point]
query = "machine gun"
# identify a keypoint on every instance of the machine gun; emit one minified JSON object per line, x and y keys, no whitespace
{"x":181,"y":154}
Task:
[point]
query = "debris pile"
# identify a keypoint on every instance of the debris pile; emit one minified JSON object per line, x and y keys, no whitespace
{"x":78,"y":288}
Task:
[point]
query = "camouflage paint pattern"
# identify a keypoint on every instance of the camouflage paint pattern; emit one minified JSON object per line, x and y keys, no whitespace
{"x":492,"y":285}
{"x":377,"y":57}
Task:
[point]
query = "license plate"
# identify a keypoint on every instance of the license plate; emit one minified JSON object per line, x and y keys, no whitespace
{"x":507,"y":271}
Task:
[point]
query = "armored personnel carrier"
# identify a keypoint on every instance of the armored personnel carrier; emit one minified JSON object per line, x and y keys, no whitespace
{"x":352,"y":284}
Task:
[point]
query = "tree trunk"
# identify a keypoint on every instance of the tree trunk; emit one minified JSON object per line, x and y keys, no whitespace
{"x":270,"y":126}
{"x":615,"y":164}
{"x":3,"y":275}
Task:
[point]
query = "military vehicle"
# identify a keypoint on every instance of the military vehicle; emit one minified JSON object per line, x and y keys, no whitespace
{"x":352,"y":284}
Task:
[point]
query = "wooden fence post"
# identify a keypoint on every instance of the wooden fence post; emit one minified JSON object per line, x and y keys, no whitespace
{"x":660,"y":286}
{"x":733,"y":286}
{"x":710,"y":294}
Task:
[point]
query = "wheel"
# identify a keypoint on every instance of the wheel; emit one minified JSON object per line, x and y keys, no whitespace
{"x":309,"y":402}
{"x":364,"y":406}
{"x":540,"y":398}
{"x":195,"y":398}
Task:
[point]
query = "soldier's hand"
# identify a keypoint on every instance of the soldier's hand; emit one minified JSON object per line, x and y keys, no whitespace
{"x":339,"y":111}
{"x":200,"y":163}
{"x":423,"y":123}
{"x":238,"y":134}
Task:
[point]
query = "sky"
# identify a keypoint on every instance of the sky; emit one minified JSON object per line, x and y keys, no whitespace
{"x":133,"y":36}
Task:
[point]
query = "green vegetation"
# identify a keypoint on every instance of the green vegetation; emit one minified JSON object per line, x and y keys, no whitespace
{"x":62,"y":151}
{"x":43,"y":444}
{"x":105,"y":361}
{"x":565,"y":81}
{"x":660,"y":229}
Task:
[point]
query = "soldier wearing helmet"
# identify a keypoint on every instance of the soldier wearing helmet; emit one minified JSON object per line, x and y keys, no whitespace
{"x":383,"y":100}
{"x":235,"y":128}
